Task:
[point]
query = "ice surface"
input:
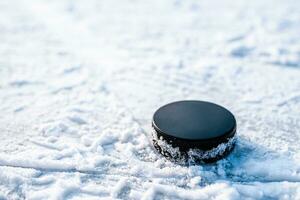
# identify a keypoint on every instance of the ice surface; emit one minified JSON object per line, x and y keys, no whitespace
{"x":80,"y":80}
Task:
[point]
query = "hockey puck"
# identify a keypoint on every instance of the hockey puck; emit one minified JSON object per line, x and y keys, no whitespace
{"x":193,"y":130}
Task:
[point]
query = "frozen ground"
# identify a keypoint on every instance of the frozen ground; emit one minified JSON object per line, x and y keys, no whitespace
{"x":80,"y":80}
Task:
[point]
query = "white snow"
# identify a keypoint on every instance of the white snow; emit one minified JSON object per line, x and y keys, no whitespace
{"x":80,"y":80}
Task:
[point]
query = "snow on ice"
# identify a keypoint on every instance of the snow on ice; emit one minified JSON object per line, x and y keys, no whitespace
{"x":80,"y":80}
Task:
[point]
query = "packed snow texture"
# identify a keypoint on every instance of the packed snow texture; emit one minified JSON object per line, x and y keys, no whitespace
{"x":80,"y":80}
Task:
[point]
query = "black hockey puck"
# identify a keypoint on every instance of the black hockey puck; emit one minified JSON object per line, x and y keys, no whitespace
{"x":197,"y":130}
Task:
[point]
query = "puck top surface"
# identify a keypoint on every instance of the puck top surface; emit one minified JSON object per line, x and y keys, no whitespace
{"x":194,"y":120}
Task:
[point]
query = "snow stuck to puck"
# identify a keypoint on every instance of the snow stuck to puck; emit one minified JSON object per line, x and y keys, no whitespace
{"x":195,"y":131}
